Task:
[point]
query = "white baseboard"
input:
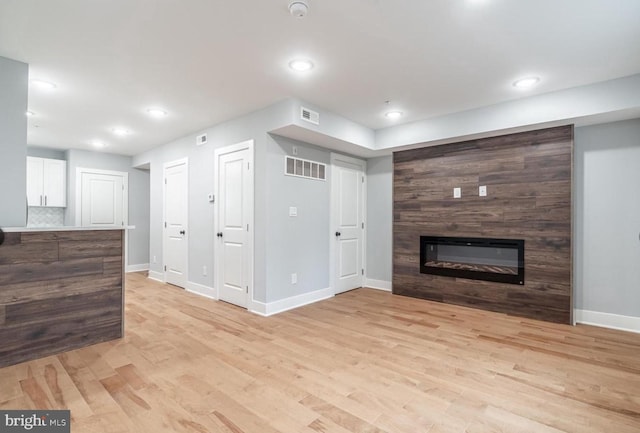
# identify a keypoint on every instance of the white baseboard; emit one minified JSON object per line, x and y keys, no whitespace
{"x":202,"y":290}
{"x":259,"y":308}
{"x":377,"y":284}
{"x":271,"y":308}
{"x":608,"y":320}
{"x":138,"y":268}
{"x":157,"y":276}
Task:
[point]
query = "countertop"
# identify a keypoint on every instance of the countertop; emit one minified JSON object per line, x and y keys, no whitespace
{"x":61,"y":229}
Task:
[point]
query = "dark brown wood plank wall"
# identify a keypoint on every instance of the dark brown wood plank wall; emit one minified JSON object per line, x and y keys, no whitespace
{"x":59,"y":291}
{"x":528,"y":179}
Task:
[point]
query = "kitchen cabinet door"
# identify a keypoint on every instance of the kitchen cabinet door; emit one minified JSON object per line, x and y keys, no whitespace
{"x":46,"y":182}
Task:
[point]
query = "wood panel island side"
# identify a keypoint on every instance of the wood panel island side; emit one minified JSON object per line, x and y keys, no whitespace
{"x":59,"y":290}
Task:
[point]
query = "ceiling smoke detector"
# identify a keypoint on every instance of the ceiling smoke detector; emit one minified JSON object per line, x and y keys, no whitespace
{"x":298,"y":9}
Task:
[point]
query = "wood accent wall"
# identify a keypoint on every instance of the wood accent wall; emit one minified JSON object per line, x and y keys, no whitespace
{"x":528,"y":179}
{"x":59,"y":291}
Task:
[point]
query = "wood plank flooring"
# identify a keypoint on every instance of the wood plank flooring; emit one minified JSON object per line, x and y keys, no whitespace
{"x":364,"y":361}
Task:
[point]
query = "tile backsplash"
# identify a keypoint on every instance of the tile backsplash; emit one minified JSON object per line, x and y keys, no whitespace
{"x":45,"y":216}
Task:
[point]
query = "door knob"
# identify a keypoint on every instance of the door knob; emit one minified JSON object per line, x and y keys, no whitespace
{"x":338,"y":234}
{"x":219,"y":234}
{"x":182,"y":232}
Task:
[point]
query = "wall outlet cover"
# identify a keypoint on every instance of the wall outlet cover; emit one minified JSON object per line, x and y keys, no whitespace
{"x":457,"y":192}
{"x":482,"y":191}
{"x":293,"y":211}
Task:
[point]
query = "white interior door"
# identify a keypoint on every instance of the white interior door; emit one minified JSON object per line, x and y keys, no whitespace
{"x":347,"y":216}
{"x":102,"y":199}
{"x":54,"y":188}
{"x":234,"y":241}
{"x":176,"y":206}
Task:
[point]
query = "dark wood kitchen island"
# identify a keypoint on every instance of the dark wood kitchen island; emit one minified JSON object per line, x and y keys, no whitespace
{"x":60,"y":289}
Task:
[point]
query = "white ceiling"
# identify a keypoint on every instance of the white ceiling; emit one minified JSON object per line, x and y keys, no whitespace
{"x":207,"y":61}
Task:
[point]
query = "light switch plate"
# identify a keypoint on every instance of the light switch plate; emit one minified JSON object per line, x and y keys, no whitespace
{"x":482,"y":191}
{"x":293,"y":211}
{"x":457,"y":192}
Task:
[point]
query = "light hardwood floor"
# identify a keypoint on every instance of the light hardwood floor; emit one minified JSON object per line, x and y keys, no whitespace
{"x":364,"y":361}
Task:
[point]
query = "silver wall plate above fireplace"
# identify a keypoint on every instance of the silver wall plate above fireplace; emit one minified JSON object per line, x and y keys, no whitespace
{"x":499,"y":260}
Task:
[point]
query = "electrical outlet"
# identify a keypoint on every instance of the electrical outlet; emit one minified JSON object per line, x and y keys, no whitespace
{"x":457,"y":192}
{"x":294,"y":278}
{"x":204,"y":271}
{"x":293,"y":211}
{"x":482,"y":191}
{"x":154,"y":259}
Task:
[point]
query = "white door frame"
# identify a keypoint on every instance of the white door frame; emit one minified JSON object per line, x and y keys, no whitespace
{"x":335,"y":157}
{"x":125,"y":201}
{"x":166,"y":165}
{"x":249,"y":144}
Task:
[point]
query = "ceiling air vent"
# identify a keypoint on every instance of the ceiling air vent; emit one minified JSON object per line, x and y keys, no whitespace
{"x":310,"y":116}
{"x":201,"y":139}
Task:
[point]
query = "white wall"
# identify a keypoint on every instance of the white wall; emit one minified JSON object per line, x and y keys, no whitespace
{"x":379,"y":219}
{"x":607,"y":224}
{"x":296,"y":244}
{"x":43,"y":152}
{"x":13,"y":142}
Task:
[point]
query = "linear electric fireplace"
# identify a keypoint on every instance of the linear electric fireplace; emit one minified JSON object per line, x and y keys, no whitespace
{"x":500,"y":260}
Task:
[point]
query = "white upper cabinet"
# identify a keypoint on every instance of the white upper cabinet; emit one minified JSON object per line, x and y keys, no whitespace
{"x":46,"y":182}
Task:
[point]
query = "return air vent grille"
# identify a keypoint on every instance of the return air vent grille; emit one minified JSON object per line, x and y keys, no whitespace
{"x":310,"y":116}
{"x":201,"y":139}
{"x":304,"y":168}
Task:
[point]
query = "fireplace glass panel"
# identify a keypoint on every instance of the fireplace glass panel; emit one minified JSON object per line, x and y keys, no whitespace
{"x":500,"y":260}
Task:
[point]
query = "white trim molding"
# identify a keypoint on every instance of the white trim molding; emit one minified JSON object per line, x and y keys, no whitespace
{"x":201,"y":290}
{"x":377,"y":284}
{"x":137,"y":268}
{"x":290,"y":303}
{"x":156,"y":276}
{"x":608,"y":320}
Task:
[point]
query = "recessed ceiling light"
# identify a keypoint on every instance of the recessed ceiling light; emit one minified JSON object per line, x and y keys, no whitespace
{"x":526,"y":83}
{"x":120,"y":131}
{"x":156,"y":112}
{"x":301,"y":65}
{"x":98,"y":143}
{"x":30,"y":113}
{"x":44,"y":85}
{"x":394,"y":115}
